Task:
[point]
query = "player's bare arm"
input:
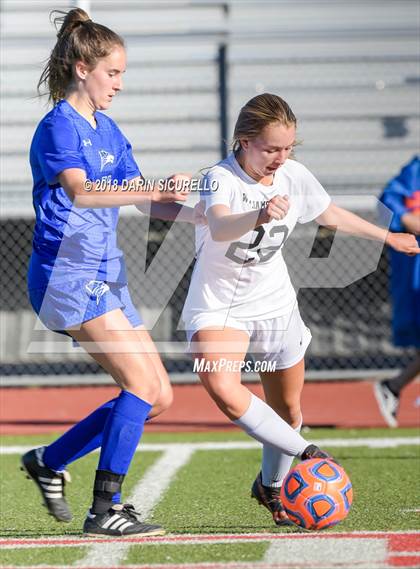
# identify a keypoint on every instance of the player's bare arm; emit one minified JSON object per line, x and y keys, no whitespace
{"x":175,"y":212}
{"x":225,"y":226}
{"x":85,"y":194}
{"x":345,"y":221}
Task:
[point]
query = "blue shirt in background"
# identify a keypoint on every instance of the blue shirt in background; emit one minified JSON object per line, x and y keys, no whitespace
{"x":405,"y":270}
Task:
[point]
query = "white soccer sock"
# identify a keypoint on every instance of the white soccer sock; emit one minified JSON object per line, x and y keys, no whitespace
{"x":276,"y":464}
{"x":264,"y":425}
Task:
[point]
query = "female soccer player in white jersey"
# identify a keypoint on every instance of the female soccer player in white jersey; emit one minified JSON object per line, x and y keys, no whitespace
{"x":241,"y":297}
{"x":81,"y":165}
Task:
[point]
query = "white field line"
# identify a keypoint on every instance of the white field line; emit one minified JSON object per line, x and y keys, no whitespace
{"x":378,"y":442}
{"x":318,"y":551}
{"x":186,"y":539}
{"x":147,"y":492}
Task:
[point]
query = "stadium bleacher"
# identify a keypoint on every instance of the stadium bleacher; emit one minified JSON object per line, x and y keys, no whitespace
{"x":350,"y":72}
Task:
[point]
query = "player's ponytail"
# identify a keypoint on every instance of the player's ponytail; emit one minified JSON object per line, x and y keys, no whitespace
{"x":258,"y":113}
{"x":78,"y":39}
{"x":70,"y":20}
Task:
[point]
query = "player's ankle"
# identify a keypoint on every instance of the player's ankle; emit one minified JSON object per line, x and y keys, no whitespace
{"x":106,"y":485}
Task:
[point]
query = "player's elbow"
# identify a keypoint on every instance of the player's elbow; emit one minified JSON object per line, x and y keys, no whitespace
{"x":71,"y":194}
{"x":77,"y":187}
{"x":79,"y":196}
{"x":78,"y":200}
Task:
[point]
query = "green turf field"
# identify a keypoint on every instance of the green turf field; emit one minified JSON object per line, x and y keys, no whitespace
{"x":209,"y":494}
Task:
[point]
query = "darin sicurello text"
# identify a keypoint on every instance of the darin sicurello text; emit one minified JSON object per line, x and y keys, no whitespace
{"x":106,"y":184}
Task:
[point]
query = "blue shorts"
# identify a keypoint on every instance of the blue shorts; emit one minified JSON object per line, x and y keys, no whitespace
{"x":66,"y":306}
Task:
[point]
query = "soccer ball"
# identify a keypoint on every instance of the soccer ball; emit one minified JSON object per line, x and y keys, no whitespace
{"x":317,"y":494}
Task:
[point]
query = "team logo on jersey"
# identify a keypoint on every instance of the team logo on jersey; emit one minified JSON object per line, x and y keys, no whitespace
{"x":106,"y":158}
{"x":87,"y":142}
{"x":96,"y":289}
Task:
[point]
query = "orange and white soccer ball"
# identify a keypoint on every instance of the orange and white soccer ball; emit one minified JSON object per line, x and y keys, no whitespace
{"x":317,"y":494}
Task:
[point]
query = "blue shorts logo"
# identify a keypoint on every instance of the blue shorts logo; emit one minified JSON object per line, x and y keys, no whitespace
{"x":97,"y":289}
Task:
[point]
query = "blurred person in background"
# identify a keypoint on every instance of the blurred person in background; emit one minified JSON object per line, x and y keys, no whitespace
{"x":402,"y":197}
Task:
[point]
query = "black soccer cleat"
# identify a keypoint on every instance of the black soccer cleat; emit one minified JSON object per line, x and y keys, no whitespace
{"x":312,"y":451}
{"x":50,"y":483}
{"x":270,"y":498}
{"x":119,"y":521}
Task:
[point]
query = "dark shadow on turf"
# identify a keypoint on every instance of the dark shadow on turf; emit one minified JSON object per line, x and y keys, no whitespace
{"x":381,"y":456}
{"x":234,"y":529}
{"x":13,"y":534}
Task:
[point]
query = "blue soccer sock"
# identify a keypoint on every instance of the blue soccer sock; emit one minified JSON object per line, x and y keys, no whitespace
{"x":80,"y":440}
{"x":122,"y":432}
{"x":121,"y":435}
{"x":116,"y":498}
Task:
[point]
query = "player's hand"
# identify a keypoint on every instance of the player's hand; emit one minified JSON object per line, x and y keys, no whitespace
{"x":174,"y":189}
{"x":276,"y":208}
{"x":198,"y":214}
{"x":403,"y":242}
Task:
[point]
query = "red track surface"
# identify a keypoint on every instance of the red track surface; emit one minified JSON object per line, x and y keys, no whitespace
{"x":341,"y":404}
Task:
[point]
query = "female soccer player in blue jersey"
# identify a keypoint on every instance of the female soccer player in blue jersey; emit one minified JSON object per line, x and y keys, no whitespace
{"x":77,"y":280}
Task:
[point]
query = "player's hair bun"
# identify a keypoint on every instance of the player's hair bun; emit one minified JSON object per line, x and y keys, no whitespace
{"x":69,"y":20}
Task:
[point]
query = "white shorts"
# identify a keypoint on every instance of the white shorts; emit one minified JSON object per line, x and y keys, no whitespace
{"x":283,"y":340}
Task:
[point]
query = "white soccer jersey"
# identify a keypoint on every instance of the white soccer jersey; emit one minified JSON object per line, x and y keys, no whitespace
{"x":248,"y":279}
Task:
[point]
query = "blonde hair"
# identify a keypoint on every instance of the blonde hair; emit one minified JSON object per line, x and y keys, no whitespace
{"x":259,"y":112}
{"x":78,"y":39}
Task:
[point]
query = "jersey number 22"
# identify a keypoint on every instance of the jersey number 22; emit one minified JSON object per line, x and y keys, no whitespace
{"x":263,"y":254}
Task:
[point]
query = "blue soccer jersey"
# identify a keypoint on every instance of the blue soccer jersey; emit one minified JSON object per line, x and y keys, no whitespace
{"x":76,"y":243}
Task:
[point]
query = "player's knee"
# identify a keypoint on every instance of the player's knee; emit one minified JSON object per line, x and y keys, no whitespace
{"x":142,"y":382}
{"x":165,"y":399}
{"x":149,"y":392}
{"x":294,"y":416}
{"x":291,"y":413}
{"x":221,"y":392}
